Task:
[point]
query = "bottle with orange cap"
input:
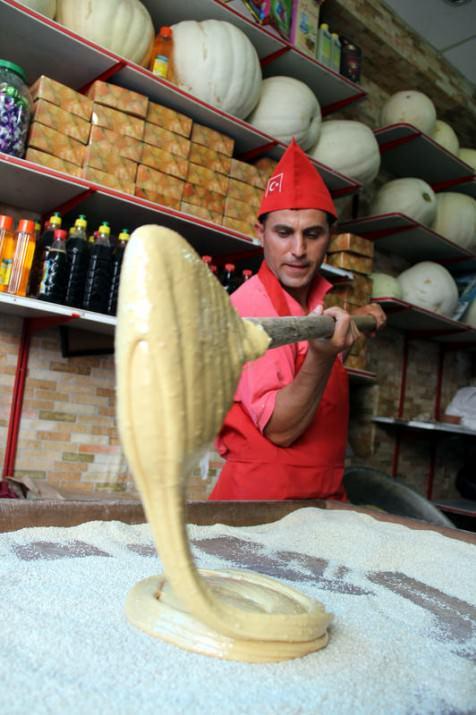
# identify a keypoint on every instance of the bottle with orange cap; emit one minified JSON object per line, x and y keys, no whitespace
{"x":7,"y":250}
{"x":161,"y":62}
{"x":23,"y":257}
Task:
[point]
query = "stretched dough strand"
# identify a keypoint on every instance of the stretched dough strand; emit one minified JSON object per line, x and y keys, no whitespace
{"x":180,"y":348}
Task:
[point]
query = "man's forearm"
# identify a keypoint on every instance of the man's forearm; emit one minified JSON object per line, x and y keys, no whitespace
{"x":296,"y":404}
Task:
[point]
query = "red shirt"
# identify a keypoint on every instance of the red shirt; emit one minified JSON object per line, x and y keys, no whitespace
{"x":313,"y":466}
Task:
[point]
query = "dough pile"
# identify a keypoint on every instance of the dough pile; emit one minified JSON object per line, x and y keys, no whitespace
{"x":180,"y":348}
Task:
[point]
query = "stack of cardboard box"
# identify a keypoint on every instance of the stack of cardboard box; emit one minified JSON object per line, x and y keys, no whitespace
{"x":244,"y":197}
{"x":356,"y":254}
{"x":117,"y":131}
{"x":60,"y":128}
{"x":119,"y":138}
{"x":163,"y":165}
{"x":207,"y":178}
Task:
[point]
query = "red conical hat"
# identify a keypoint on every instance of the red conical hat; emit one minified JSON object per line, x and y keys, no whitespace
{"x":296,"y":184}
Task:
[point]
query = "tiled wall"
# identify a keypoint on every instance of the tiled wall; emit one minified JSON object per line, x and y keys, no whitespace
{"x":68,"y":436}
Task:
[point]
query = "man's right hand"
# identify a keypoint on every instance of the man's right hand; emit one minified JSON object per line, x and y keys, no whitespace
{"x":345,"y":334}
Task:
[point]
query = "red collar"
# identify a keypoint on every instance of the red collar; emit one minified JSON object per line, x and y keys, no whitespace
{"x":279,"y":297}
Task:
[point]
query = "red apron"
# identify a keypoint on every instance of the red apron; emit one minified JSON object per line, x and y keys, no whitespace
{"x":312,"y":467}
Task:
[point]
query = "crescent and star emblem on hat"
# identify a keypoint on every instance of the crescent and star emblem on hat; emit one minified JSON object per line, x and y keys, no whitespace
{"x":296,"y":184}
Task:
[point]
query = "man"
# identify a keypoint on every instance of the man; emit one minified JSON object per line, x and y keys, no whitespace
{"x":286,"y":433}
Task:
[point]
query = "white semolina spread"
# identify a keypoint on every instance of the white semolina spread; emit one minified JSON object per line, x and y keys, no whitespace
{"x":403,"y":638}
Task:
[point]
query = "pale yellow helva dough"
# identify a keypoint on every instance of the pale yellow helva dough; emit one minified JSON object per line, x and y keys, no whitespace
{"x":180,"y":348}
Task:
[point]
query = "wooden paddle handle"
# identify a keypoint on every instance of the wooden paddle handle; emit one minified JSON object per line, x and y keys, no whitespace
{"x":283,"y":331}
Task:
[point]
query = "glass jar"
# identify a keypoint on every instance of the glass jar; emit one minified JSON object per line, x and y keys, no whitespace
{"x":15,"y":109}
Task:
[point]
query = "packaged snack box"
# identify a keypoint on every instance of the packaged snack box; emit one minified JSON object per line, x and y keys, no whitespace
{"x":119,"y":98}
{"x":63,"y":96}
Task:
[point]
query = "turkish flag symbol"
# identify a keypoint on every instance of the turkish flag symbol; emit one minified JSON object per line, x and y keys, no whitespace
{"x":275,"y":184}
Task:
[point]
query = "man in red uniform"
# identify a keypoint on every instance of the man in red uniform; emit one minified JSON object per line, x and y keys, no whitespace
{"x":286,"y":433}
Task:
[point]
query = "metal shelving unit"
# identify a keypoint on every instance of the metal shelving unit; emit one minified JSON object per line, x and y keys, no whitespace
{"x":361,"y":377}
{"x":276,"y":54}
{"x":406,"y":151}
{"x":41,"y":190}
{"x":425,"y":324}
{"x":93,"y":62}
{"x":397,"y":233}
{"x":425,"y":426}
{"x":19,"y":307}
{"x":31,"y":308}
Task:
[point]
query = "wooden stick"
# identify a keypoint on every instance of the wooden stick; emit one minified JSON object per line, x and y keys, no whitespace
{"x":283,"y":331}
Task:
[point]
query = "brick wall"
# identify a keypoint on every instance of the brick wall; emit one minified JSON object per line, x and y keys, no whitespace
{"x":68,"y":435}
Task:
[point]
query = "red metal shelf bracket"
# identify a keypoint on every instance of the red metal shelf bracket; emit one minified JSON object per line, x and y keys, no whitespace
{"x":30,"y":326}
{"x":443,"y":185}
{"x":398,"y":142}
{"x":107,"y":74}
{"x":72,"y":203}
{"x":336,"y":106}
{"x":258,"y":151}
{"x":274,"y":55}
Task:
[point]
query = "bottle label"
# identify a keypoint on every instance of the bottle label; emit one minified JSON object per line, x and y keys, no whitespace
{"x":5,"y":271}
{"x":161,"y":66}
{"x":44,"y":277}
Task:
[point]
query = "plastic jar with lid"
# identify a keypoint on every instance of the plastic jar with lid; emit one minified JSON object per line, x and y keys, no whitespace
{"x":15,"y":109}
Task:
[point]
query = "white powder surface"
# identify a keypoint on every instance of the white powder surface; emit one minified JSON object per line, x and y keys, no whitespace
{"x":403,"y":640}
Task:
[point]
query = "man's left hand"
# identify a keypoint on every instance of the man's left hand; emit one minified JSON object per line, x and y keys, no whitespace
{"x":375,"y":311}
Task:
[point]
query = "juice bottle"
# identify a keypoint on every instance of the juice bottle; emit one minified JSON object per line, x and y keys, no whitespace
{"x":54,"y":270}
{"x":43,"y":243}
{"x":7,"y":250}
{"x":77,"y":253}
{"x":161,"y":62}
{"x":117,"y":258}
{"x":23,"y":257}
{"x":324,"y":45}
{"x":98,"y":276}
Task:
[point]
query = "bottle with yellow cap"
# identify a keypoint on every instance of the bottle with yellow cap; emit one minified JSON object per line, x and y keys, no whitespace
{"x":98,"y":277}
{"x":335,"y":52}
{"x":43,"y":243}
{"x":117,"y":258}
{"x":55,"y":270}
{"x":7,"y":250}
{"x":77,"y":252}
{"x":161,"y":62}
{"x":324,"y":45}
{"x":23,"y":257}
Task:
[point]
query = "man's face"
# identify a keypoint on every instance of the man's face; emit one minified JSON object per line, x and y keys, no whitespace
{"x":294,"y":244}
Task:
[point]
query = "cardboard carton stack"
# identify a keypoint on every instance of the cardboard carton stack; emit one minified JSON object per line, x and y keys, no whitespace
{"x":119,"y":138}
{"x":164,"y":161}
{"x":244,"y":197}
{"x":117,"y":131}
{"x":207,"y":179}
{"x":60,"y":128}
{"x":352,"y":253}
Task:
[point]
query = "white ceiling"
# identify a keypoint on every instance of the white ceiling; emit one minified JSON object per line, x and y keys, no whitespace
{"x":450,"y":29}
